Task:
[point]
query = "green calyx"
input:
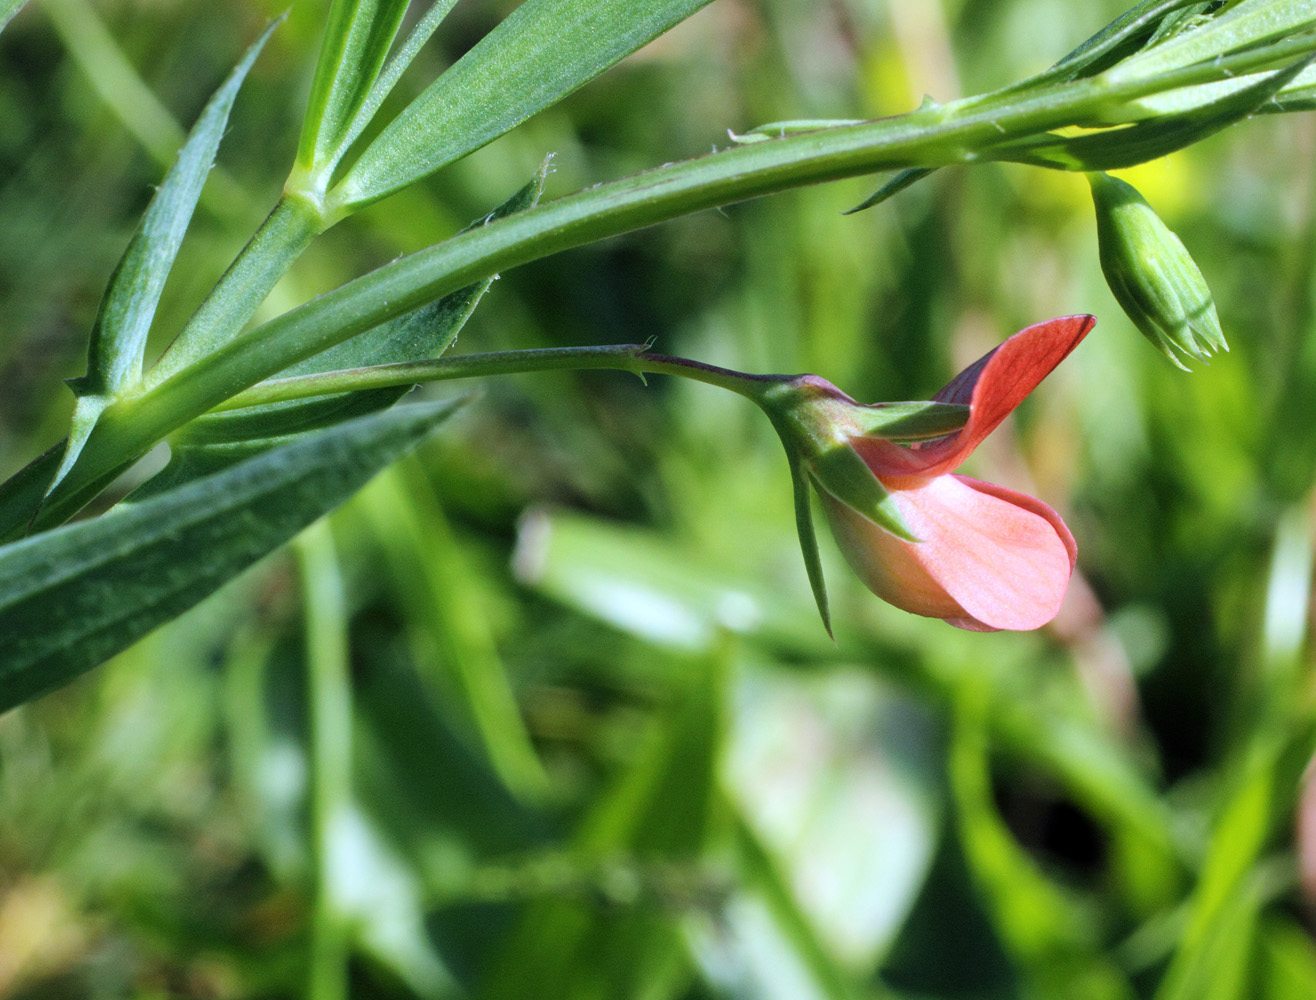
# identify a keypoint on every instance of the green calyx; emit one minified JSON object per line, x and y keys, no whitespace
{"x":816,"y":422}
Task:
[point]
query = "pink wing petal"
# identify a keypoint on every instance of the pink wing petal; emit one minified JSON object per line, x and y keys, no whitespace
{"x":990,"y":558}
{"x":992,"y":387}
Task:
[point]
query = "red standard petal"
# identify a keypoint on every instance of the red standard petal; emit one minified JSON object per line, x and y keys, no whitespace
{"x":989,"y":558}
{"x":992,"y":387}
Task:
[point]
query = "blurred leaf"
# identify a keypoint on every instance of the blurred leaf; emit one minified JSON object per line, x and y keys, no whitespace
{"x":429,"y":575}
{"x":74,"y":596}
{"x":774,"y":974}
{"x":642,"y":584}
{"x":1288,"y":960}
{"x":90,"y":43}
{"x":654,"y":822}
{"x":849,"y":828}
{"x":381,"y":900}
{"x":118,"y":338}
{"x":335,"y":843}
{"x":543,"y":51}
{"x":1049,"y":933}
{"x":1212,"y":954}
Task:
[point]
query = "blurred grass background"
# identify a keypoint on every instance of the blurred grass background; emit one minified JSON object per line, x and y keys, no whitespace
{"x":566,"y":724}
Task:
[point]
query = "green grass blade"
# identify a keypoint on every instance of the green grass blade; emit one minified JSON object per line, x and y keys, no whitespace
{"x":543,"y":51}
{"x":73,"y":597}
{"x":655,"y":821}
{"x":428,"y":566}
{"x":108,"y":70}
{"x":329,"y":686}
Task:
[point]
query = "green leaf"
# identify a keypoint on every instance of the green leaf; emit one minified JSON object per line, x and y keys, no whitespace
{"x":1148,"y":16}
{"x":1246,"y":24}
{"x":75,"y":596}
{"x":1225,"y":900}
{"x":671,"y":596}
{"x":118,"y":338}
{"x":1185,"y":99}
{"x":429,"y":569}
{"x":1116,"y":148}
{"x":543,"y":51}
{"x":898,"y":183}
{"x":352,"y":80}
{"x":1045,"y":927}
{"x":1289,"y":960}
{"x":215,"y":441}
{"x":645,"y":838}
{"x":356,"y":43}
{"x":321,"y":162}
{"x":8,"y":8}
{"x":809,"y":540}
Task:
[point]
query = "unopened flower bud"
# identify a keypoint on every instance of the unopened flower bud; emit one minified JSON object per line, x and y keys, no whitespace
{"x":1152,"y":275}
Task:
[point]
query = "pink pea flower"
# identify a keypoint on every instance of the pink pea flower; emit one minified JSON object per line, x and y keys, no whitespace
{"x":987,"y":558}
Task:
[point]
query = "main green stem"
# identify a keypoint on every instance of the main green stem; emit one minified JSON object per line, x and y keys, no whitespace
{"x":929,"y":137}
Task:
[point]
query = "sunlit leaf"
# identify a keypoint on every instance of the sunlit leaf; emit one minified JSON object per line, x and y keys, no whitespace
{"x":1115,"y":148}
{"x":543,"y":51}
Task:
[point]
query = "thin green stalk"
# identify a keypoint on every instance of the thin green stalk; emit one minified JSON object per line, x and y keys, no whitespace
{"x":618,"y":357}
{"x":190,"y":384}
{"x":286,"y":232}
{"x":330,"y":705}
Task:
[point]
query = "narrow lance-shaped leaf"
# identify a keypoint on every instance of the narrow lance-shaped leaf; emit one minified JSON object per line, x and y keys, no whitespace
{"x":73,"y":597}
{"x":543,"y":51}
{"x":1150,"y":15}
{"x":898,"y":183}
{"x":1115,"y":148}
{"x":356,"y":43}
{"x":215,"y":441}
{"x":1245,"y":24}
{"x":387,"y":80}
{"x":118,"y":338}
{"x":809,"y":540}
